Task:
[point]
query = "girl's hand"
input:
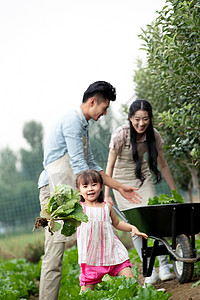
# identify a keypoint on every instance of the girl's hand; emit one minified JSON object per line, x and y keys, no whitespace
{"x":141,"y":235}
{"x":108,"y":199}
{"x":129,"y":193}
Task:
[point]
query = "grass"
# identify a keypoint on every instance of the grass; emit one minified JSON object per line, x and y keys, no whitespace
{"x":13,"y":246}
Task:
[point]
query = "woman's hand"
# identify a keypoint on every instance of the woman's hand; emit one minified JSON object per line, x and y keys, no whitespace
{"x":129,"y":193}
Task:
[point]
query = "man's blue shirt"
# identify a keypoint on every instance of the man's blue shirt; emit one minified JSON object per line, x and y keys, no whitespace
{"x":67,"y":136}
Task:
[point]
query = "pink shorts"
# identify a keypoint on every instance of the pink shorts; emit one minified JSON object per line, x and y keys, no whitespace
{"x":94,"y":274}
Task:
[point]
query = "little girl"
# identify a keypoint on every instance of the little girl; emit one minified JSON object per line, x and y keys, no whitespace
{"x":100,"y":252}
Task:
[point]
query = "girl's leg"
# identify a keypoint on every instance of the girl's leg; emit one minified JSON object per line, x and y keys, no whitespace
{"x":88,"y":286}
{"x":126,"y":272}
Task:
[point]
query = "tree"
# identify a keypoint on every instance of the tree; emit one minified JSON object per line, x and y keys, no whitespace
{"x":8,"y":167}
{"x":18,"y":181}
{"x":31,"y":160}
{"x":100,"y":133}
{"x":33,"y":133}
{"x":171,"y":82}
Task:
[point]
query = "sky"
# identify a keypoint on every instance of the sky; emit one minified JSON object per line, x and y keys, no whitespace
{"x":51,"y":51}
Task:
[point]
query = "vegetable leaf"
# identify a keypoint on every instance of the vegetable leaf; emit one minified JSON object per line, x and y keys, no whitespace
{"x":166,"y":199}
{"x":64,"y":205}
{"x":68,"y":228}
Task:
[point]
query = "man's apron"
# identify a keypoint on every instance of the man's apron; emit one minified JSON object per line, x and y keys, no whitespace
{"x":60,"y":172}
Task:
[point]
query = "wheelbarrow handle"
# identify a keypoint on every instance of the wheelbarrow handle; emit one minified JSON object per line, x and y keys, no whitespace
{"x":173,"y":252}
{"x":120,"y":214}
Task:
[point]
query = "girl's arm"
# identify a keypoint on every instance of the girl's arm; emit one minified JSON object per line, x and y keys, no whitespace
{"x":165,"y":170}
{"x":112,"y":156}
{"x":120,"y":225}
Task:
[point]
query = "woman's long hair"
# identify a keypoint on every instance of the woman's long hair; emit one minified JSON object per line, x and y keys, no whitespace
{"x":150,"y":137}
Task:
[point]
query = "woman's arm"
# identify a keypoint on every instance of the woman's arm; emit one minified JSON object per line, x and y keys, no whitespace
{"x":120,"y":225}
{"x":112,"y":156}
{"x":165,"y":170}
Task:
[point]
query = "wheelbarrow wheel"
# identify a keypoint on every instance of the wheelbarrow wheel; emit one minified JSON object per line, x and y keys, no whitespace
{"x":183,"y":271}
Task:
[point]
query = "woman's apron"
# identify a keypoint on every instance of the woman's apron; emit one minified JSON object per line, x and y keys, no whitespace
{"x":124,"y":172}
{"x":60,"y":172}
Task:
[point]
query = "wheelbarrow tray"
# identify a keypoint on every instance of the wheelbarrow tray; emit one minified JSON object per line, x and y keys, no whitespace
{"x":166,"y":220}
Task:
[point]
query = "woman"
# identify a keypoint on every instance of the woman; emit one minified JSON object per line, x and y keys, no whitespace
{"x":126,"y":164}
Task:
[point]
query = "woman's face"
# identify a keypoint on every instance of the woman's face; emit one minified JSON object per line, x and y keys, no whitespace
{"x":140,"y":121}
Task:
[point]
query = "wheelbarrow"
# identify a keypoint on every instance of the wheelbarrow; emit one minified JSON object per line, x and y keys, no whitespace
{"x":179,"y":223}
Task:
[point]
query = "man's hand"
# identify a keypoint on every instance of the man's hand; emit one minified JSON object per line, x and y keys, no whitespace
{"x":129,"y":193}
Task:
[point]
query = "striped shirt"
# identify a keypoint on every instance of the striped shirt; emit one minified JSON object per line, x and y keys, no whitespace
{"x":97,"y":244}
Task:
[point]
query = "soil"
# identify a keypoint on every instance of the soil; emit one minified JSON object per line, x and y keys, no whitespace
{"x":178,"y":291}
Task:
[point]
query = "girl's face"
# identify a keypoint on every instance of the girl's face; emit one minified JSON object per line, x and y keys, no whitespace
{"x":140,"y":121}
{"x":90,"y":192}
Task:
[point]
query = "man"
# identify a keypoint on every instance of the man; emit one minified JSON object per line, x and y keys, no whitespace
{"x":67,"y":153}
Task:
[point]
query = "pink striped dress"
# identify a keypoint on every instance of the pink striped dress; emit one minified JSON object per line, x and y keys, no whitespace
{"x":97,"y":244}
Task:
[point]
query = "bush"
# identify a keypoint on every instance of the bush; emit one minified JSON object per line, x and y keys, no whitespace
{"x":18,"y":279}
{"x":33,"y":252}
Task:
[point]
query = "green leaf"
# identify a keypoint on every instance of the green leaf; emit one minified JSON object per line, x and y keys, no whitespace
{"x":68,"y":228}
{"x":64,"y":205}
{"x":166,"y":199}
{"x":57,"y":226}
{"x":78,"y":214}
{"x":177,"y":197}
{"x":65,"y":208}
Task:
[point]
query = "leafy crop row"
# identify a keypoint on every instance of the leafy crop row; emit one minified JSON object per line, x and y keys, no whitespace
{"x":111,"y":288}
{"x":19,"y":280}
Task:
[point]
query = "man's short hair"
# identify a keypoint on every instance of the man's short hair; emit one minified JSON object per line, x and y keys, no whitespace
{"x":101,"y":88}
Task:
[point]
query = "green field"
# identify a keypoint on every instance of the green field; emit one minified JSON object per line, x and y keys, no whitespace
{"x":14,"y":246}
{"x":23,"y":276}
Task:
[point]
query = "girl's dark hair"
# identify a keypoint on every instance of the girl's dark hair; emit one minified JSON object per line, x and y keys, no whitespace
{"x":151,"y":145}
{"x":88,"y":176}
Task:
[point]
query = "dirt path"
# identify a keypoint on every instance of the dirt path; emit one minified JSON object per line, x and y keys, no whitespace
{"x":178,"y":291}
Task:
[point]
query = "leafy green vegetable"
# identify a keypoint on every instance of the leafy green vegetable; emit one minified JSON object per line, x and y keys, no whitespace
{"x":64,"y":206}
{"x":166,"y":199}
{"x":17,"y":279}
{"x":77,"y":214}
{"x":110,"y":288}
{"x":62,"y":195}
{"x":69,"y":228}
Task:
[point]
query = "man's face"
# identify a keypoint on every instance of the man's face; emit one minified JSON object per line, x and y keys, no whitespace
{"x":99,"y":109}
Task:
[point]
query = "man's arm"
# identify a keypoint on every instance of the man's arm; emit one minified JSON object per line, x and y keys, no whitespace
{"x":72,"y":131}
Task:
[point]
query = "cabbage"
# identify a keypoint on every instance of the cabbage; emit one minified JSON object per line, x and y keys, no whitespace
{"x":64,"y":205}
